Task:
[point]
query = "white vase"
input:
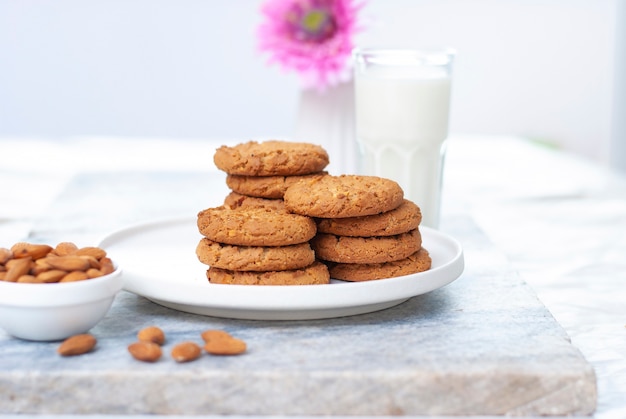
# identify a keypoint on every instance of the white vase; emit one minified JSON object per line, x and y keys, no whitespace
{"x":326,"y":118}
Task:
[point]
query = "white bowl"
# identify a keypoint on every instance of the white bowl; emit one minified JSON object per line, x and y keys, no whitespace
{"x":48,"y":312}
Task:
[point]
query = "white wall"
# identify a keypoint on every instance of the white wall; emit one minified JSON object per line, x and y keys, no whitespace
{"x":139,"y":68}
{"x":618,"y":139}
{"x":189,"y":68}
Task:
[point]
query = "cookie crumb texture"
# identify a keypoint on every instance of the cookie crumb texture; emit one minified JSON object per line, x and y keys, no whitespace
{"x":419,"y":261}
{"x":254,"y":258}
{"x":344,"y":249}
{"x":271,"y":187}
{"x":405,"y":218}
{"x":343,"y":196}
{"x":236,"y":200}
{"x":255,"y":227}
{"x":317,"y":273}
{"x":271,"y":158}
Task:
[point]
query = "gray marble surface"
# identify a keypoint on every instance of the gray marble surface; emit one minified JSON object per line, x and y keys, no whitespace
{"x":483,"y":345}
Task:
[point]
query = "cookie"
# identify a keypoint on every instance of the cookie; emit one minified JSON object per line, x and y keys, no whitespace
{"x":254,"y":258}
{"x":419,"y":261}
{"x":405,"y":218}
{"x":343,"y":196}
{"x":271,"y":158}
{"x":255,"y":226}
{"x":344,"y":249}
{"x":235,"y":200}
{"x":265,"y":186}
{"x":316,"y":273}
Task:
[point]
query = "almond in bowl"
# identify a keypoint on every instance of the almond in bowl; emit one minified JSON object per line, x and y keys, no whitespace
{"x":50,"y":293}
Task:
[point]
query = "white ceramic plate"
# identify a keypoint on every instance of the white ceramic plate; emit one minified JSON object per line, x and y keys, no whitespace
{"x":159,"y":262}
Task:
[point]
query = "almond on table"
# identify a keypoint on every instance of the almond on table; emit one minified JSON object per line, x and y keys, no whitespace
{"x":145,"y":351}
{"x":151,"y":334}
{"x":77,"y":345}
{"x":186,"y":352}
{"x":219,"y":342}
{"x":215,"y":334}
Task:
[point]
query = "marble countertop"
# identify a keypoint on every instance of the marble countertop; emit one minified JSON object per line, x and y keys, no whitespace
{"x":539,"y":228}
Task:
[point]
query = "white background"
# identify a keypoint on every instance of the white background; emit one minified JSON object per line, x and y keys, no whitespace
{"x":190,"y":68}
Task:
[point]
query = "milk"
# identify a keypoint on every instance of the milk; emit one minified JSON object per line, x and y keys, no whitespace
{"x":401,"y":125}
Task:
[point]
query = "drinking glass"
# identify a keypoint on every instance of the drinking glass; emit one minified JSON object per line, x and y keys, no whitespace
{"x":402,"y":107}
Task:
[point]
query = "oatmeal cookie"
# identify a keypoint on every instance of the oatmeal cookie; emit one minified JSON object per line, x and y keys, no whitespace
{"x":405,"y":218}
{"x":254,"y":258}
{"x":381,"y":249}
{"x":271,"y":158}
{"x":343,"y":196}
{"x":272,"y":187}
{"x":316,"y":273}
{"x":255,"y":226}
{"x":419,"y":261}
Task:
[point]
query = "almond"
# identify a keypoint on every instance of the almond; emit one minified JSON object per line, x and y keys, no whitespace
{"x":29,"y":279}
{"x":77,"y":345}
{"x":145,"y":351}
{"x":17,"y":268}
{"x":94,"y":273}
{"x":151,"y":334}
{"x":75,"y":276}
{"x":41,"y":265}
{"x":219,"y":342}
{"x":65,"y":248}
{"x":107,"y":266}
{"x":50,"y":276}
{"x":214,"y":334}
{"x":12,"y":262}
{"x":95,"y":252}
{"x":34,"y":251}
{"x":5,"y":255}
{"x":232,"y":346}
{"x":186,"y":352}
{"x":68,"y":263}
{"x":93,"y":262}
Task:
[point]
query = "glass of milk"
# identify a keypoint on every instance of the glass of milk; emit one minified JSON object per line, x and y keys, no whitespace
{"x":402,"y":104}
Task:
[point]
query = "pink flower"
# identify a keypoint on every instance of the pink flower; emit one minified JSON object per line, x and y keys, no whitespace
{"x":311,"y":37}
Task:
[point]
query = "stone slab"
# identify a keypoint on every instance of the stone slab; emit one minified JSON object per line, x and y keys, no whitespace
{"x":483,"y":345}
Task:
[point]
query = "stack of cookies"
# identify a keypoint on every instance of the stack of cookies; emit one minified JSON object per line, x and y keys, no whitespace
{"x":258,"y":174}
{"x":287,"y":222}
{"x":251,"y":239}
{"x":258,"y":246}
{"x":365,"y":228}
